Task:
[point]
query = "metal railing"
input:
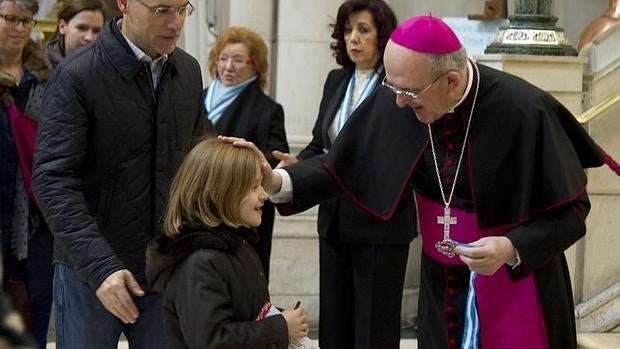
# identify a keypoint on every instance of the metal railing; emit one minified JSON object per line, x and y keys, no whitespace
{"x":599,"y":109}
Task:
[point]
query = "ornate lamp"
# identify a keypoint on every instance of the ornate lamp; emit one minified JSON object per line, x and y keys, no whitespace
{"x":532,"y":30}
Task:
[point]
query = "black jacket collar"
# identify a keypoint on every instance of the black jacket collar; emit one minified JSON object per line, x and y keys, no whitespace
{"x":164,"y":253}
{"x":115,"y":47}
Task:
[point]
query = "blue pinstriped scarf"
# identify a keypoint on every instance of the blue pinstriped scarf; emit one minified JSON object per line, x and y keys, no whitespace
{"x":219,"y":97}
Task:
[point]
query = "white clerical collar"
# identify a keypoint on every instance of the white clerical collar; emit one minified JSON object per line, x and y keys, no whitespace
{"x":470,"y":82}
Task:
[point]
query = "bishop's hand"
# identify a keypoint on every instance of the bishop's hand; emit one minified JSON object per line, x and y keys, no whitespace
{"x":272,"y":181}
{"x":286,"y":159}
{"x":485,"y":256}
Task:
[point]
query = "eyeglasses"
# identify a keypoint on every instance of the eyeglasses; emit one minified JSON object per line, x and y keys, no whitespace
{"x":168,"y":11}
{"x":409,"y":93}
{"x":237,"y":62}
{"x":13,"y":20}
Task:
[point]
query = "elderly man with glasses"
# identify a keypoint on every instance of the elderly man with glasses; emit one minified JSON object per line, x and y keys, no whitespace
{"x":118,"y":119}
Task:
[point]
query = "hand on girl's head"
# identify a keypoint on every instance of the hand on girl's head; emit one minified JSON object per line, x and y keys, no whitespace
{"x":296,"y":322}
{"x":271,"y":182}
{"x":240,"y":142}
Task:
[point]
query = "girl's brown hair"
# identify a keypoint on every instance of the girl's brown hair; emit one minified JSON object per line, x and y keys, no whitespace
{"x":209,"y":185}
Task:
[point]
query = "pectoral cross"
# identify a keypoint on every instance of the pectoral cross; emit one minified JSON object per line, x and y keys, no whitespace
{"x":447,"y":245}
{"x":446,"y":220}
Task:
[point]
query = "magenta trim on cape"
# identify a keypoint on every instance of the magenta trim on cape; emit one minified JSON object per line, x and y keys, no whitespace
{"x":510,"y":312}
{"x":383,"y":216}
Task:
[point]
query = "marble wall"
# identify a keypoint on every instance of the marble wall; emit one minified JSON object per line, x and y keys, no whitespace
{"x":304,"y":59}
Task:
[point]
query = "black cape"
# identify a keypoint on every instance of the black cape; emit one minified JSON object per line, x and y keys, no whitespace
{"x":523,"y":160}
{"x":524,"y":157}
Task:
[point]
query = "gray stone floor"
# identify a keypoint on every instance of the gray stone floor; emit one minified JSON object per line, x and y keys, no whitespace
{"x":586,"y":341}
{"x":406,"y":333}
{"x":404,"y":344}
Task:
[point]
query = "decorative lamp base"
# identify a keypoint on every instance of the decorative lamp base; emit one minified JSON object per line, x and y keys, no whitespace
{"x":531,"y":35}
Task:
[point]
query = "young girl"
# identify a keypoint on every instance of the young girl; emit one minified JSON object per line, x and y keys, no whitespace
{"x":211,"y":279}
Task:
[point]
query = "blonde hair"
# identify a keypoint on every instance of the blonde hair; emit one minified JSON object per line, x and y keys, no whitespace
{"x":255,"y":44}
{"x":209,"y":185}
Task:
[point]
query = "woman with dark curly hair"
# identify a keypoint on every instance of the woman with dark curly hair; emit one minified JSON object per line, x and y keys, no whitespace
{"x":362,"y":261}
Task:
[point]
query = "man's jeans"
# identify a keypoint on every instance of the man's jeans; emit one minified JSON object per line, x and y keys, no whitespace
{"x":83,"y":322}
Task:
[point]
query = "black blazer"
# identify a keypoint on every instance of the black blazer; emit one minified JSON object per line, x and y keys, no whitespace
{"x":339,"y":217}
{"x":257,"y":118}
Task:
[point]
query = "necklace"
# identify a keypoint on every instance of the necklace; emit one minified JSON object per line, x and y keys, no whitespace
{"x":447,"y":245}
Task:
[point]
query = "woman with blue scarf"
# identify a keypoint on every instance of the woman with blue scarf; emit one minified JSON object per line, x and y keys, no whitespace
{"x":237,"y":106}
{"x":362,"y":262}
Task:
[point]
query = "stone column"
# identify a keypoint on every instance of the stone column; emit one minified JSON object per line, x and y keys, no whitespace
{"x":535,"y":7}
{"x":532,"y":30}
{"x":196,"y":37}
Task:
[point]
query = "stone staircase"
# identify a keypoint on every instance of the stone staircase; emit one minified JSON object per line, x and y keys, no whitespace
{"x":597,"y":267}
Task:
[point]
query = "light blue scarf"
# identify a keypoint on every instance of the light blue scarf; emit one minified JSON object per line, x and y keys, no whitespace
{"x":219,"y":97}
{"x":471,"y":329}
{"x":345,"y":108}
